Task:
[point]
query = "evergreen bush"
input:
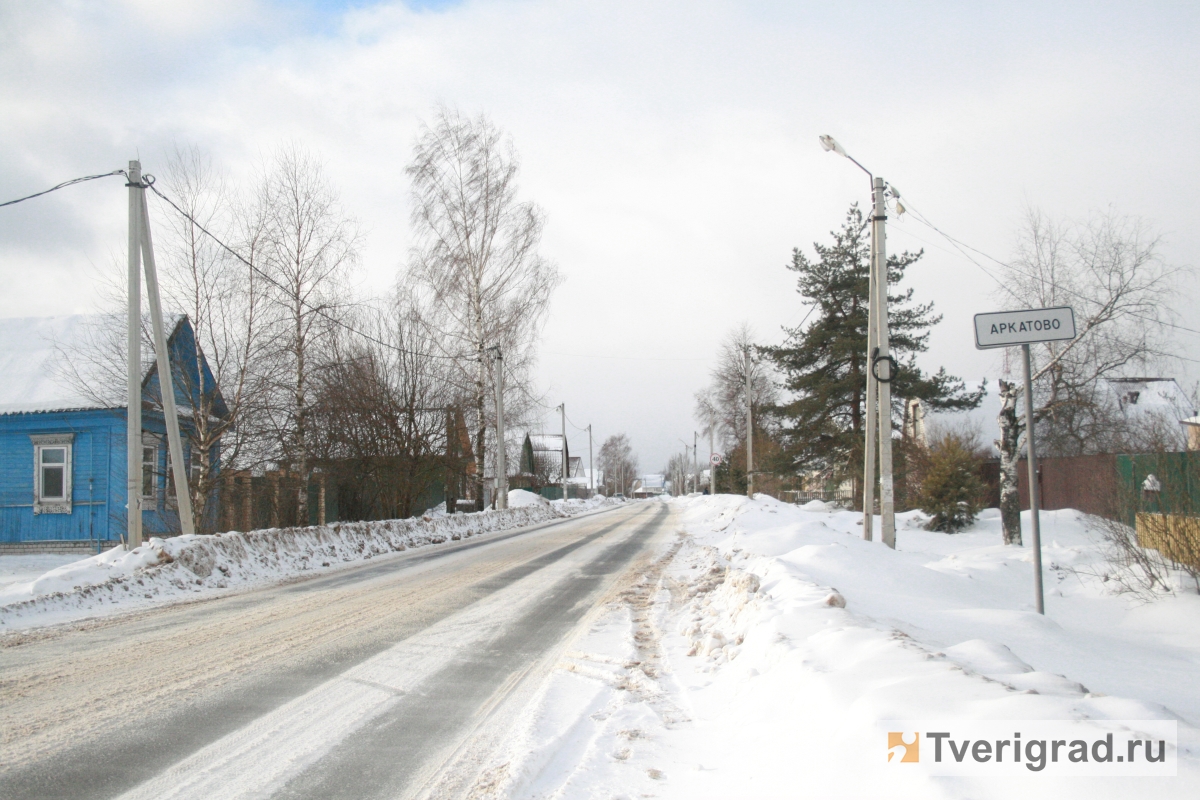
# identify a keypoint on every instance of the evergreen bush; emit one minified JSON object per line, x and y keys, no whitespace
{"x":951,"y":490}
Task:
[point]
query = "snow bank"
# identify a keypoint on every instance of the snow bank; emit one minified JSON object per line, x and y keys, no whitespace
{"x":787,"y":643}
{"x":520,"y":498}
{"x":187,"y":567}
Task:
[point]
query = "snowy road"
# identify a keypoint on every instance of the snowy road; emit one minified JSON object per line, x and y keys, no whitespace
{"x":389,"y":679}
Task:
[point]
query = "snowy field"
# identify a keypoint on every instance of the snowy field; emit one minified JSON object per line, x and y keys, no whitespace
{"x":39,"y":590}
{"x":766,"y":652}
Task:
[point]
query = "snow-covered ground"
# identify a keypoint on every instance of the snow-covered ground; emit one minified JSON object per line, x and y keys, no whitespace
{"x":27,"y":567}
{"x":764,"y":655}
{"x":39,"y":590}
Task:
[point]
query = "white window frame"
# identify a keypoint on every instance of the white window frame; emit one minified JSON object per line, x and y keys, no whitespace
{"x":150,"y":442}
{"x":53,"y":441}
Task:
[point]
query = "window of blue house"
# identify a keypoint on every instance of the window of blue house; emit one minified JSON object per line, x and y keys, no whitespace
{"x":149,"y":471}
{"x":52,"y":472}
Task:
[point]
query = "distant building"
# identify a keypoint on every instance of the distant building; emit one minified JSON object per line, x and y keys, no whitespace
{"x":1192,"y":427}
{"x":1147,"y":400}
{"x":62,"y":431}
{"x":650,"y":486}
{"x":542,"y":457}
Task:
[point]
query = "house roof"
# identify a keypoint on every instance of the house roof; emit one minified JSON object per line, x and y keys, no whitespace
{"x":66,"y":363}
{"x":1153,"y":395}
{"x":551,"y":442}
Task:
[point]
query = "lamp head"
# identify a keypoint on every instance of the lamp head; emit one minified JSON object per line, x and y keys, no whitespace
{"x":829,"y":143}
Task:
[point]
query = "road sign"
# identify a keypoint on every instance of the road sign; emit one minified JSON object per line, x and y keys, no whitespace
{"x":715,"y":459}
{"x":1009,"y":328}
{"x":1006,"y":329}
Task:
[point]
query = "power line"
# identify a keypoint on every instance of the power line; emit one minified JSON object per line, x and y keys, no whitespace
{"x":315,"y":309}
{"x":63,"y":185}
{"x":958,"y":245}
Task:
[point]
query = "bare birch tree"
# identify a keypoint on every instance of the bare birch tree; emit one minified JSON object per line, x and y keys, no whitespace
{"x":722,"y":405}
{"x":476,"y":262}
{"x":223,"y":298}
{"x":310,"y":247}
{"x":1108,"y":269}
{"x":619,"y":463}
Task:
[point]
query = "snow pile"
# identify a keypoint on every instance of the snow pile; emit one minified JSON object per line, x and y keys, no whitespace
{"x":26,"y":567}
{"x":186,"y":567}
{"x":520,"y":498}
{"x":787,"y":643}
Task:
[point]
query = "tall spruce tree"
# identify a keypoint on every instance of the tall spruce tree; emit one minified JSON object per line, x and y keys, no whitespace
{"x":823,"y":363}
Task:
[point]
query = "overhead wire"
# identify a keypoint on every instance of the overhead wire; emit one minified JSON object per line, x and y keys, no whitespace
{"x":315,"y":309}
{"x":63,"y":185}
{"x":959,"y":245}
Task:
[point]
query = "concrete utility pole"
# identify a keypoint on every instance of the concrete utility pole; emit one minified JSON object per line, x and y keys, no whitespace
{"x":133,"y":415}
{"x":563,"y":409}
{"x":140,"y":244}
{"x":712,"y":468}
{"x":166,"y":380}
{"x":749,"y":430}
{"x":881,"y":368}
{"x":695,"y":461}
{"x":501,"y":466}
{"x":872,"y":403}
{"x":591,"y":466}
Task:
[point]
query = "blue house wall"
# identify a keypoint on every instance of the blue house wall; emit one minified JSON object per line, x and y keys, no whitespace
{"x":97,"y":478}
{"x":98,"y":454}
{"x":98,"y":463}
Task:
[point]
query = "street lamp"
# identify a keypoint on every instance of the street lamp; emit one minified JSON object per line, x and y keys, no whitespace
{"x":881,"y":368}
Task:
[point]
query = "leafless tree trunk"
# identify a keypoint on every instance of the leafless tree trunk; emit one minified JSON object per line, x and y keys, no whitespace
{"x":476,"y":263}
{"x":1009,"y":445}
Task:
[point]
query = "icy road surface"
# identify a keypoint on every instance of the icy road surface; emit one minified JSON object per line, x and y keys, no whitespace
{"x":393,"y":679}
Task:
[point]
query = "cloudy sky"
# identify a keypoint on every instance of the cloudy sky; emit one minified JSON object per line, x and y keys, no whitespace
{"x":673,"y":147}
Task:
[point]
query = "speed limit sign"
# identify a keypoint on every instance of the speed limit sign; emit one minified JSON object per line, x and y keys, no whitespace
{"x":715,"y":459}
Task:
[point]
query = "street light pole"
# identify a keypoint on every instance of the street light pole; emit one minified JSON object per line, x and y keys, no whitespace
{"x":880,"y":368}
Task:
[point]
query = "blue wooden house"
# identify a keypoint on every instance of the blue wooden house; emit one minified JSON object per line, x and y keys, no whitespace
{"x":63,"y":425}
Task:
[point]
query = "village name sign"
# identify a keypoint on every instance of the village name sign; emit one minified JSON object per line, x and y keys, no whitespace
{"x":1009,"y":328}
